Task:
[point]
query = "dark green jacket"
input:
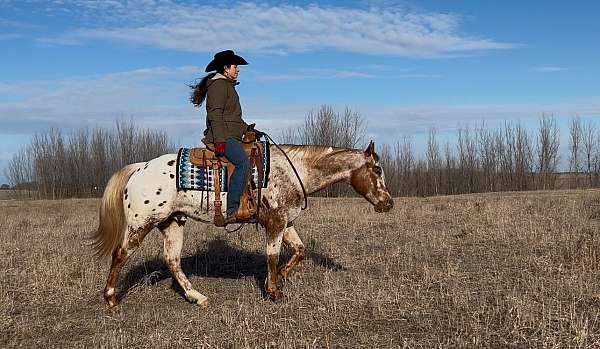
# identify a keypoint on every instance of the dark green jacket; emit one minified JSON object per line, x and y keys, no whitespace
{"x":223,"y":111}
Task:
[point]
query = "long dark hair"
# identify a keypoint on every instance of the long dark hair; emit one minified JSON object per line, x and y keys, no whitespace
{"x":199,"y":90}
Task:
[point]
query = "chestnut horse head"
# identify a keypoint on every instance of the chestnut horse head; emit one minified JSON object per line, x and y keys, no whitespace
{"x":369,"y":181}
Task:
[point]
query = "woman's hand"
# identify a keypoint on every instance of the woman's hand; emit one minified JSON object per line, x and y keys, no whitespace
{"x":219,"y":149}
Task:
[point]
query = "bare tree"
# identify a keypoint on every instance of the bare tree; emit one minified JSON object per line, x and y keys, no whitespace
{"x":467,"y":160}
{"x":388,"y":161}
{"x":590,"y":152}
{"x":575,"y":136}
{"x":20,"y":173}
{"x":596,"y":162}
{"x":523,"y":158}
{"x":548,"y":142}
{"x":289,"y":136}
{"x":433,"y":162}
{"x":450,"y":170}
{"x":352,"y":128}
{"x":506,"y":156}
{"x":326,"y":127}
{"x":406,"y":166}
{"x":100,"y":165}
{"x":488,"y":154}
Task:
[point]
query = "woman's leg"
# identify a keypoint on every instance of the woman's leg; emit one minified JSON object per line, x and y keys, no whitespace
{"x":237,"y":156}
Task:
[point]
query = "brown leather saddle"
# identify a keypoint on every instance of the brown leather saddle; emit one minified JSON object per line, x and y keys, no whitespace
{"x":249,"y":207}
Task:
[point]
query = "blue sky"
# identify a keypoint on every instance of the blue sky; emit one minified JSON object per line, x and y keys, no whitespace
{"x":405,"y":66}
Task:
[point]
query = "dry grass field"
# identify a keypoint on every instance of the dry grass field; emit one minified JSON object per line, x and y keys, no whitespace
{"x":6,"y":194}
{"x":487,"y":270}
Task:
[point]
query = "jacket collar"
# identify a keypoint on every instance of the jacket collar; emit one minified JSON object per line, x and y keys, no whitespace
{"x":221,"y":76}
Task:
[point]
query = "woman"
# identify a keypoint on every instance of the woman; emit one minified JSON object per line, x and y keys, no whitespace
{"x":224,"y":124}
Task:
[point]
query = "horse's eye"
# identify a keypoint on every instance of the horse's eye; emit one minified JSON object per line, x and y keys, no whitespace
{"x":377,"y":170}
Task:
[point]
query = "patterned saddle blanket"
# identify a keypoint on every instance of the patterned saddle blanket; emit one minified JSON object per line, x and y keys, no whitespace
{"x":190,"y":176}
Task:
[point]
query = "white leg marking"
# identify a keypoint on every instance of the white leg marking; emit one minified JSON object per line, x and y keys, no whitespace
{"x":274,"y":246}
{"x":291,"y":237}
{"x":173,"y":241}
{"x":196,"y":297}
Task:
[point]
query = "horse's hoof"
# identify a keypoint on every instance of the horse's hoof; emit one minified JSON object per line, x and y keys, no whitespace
{"x":281,"y":282}
{"x":111,"y":299}
{"x":276,"y":296}
{"x":197,"y":298}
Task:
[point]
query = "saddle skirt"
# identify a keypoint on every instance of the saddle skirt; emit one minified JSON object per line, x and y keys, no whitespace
{"x":194,"y":170}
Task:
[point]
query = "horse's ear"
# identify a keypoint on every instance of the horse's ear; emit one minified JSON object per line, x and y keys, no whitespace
{"x":370,"y":151}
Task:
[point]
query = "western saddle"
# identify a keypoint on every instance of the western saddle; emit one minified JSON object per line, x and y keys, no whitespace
{"x":249,"y":202}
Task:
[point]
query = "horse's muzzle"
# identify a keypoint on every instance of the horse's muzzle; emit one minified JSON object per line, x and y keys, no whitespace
{"x":384,"y":206}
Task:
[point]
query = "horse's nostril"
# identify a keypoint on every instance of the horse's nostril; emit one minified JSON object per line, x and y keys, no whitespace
{"x":384,"y":206}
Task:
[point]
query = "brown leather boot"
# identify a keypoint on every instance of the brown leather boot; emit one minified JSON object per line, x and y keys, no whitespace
{"x":244,"y":213}
{"x":246,"y":210}
{"x":241,"y":215}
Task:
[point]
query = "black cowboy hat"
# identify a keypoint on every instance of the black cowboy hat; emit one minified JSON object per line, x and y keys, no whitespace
{"x":222,"y":58}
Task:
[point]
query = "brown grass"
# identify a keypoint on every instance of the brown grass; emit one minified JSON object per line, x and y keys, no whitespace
{"x":6,"y":194}
{"x":488,"y":270}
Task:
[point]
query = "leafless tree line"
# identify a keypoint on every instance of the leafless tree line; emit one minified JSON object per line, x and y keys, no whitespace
{"x":584,"y":150}
{"x":480,"y":160}
{"x":54,"y":165}
{"x":325,"y":126}
{"x":508,"y":158}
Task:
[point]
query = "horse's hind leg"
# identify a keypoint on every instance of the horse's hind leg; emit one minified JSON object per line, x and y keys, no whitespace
{"x":291,"y":238}
{"x":172,"y":231}
{"x":119,"y":258}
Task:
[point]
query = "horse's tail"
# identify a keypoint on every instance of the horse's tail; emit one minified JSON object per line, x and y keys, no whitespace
{"x":111,"y":228}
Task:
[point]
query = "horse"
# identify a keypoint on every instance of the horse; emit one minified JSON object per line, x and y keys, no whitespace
{"x":143,"y":196}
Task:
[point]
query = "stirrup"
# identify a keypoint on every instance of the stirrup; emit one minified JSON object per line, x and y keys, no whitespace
{"x":233,"y":220}
{"x":230,"y":219}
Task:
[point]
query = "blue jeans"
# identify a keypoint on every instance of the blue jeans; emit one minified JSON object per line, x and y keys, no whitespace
{"x":237,"y":156}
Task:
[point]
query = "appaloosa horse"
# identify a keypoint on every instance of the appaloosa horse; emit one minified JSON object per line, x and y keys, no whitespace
{"x":143,"y":196}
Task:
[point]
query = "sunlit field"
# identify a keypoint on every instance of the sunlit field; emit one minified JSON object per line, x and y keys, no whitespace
{"x":485,"y":270}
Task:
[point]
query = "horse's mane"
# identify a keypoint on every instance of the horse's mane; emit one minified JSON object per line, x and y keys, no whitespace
{"x":314,"y":153}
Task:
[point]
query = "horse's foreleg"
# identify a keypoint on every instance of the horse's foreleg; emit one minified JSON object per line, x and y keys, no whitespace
{"x":172,"y":231}
{"x":119,"y":258}
{"x":291,"y":238}
{"x":275,"y":227}
{"x":273,"y":249}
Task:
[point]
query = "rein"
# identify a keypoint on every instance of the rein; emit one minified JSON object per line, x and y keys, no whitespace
{"x":260,"y":186}
{"x":293,"y":168}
